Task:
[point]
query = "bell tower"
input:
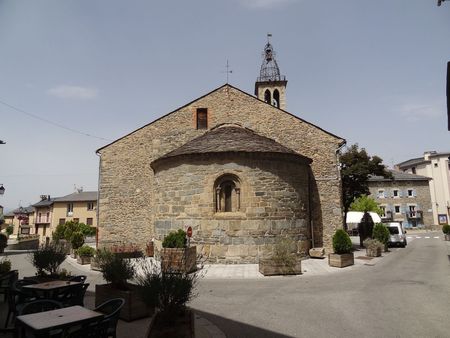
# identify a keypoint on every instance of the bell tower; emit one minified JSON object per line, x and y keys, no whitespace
{"x":270,"y":86}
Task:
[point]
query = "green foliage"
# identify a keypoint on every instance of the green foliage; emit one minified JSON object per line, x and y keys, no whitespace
{"x":356,"y":166}
{"x":117,"y":270}
{"x":373,"y":244}
{"x":341,"y":242}
{"x":365,"y":203}
{"x":86,"y":251}
{"x":446,"y":229}
{"x":76,"y":240}
{"x":5,"y":265}
{"x":381,"y":233}
{"x":175,"y":239}
{"x":9,"y":230}
{"x":47,"y":258}
{"x":58,"y":234}
{"x":169,"y":292}
{"x":66,"y":230}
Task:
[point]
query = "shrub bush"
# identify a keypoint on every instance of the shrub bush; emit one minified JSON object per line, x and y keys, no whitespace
{"x":342,"y":243}
{"x":446,"y":229}
{"x":116,"y":270}
{"x":86,"y":251}
{"x":381,"y":233}
{"x":373,"y":244}
{"x":47,"y":259}
{"x":169,"y":292}
{"x":284,"y":252}
{"x":175,"y":239}
{"x":77,"y":240}
{"x":5,"y":266}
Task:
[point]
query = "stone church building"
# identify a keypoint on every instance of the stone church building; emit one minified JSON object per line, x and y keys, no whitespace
{"x":239,"y":169}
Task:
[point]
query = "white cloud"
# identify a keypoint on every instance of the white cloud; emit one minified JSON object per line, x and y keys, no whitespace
{"x":264,"y":4}
{"x":73,"y":92}
{"x":416,"y":112}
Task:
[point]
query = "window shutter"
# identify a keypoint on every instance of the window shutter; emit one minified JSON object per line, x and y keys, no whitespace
{"x":400,"y":193}
{"x":402,"y":209}
{"x":385,"y":193}
{"x":418,"y":207}
{"x":414,"y":193}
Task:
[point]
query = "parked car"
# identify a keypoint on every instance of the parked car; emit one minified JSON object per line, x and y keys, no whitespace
{"x":397,"y":234}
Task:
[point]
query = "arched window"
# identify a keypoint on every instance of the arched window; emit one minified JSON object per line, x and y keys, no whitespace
{"x":227,"y":193}
{"x":276,"y":98}
{"x":267,"y":96}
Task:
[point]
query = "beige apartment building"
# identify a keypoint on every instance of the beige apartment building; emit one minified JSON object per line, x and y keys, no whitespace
{"x":21,"y":219}
{"x":80,"y":206}
{"x":436,"y":166}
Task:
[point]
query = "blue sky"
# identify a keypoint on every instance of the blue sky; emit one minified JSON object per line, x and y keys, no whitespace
{"x":372,"y":72}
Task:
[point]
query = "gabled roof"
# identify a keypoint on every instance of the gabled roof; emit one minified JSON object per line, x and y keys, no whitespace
{"x":399,"y":176}
{"x":211,"y":92}
{"x":78,"y":197}
{"x":412,"y":162}
{"x":232,"y":139}
{"x":44,"y":203}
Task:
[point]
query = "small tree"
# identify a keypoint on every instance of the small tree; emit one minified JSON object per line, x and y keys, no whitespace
{"x":365,"y":203}
{"x":76,"y":240}
{"x":9,"y":230}
{"x":381,"y":233}
{"x":47,"y":259}
{"x":175,"y":239}
{"x":446,"y":229}
{"x":117,"y":270}
{"x":356,"y":167}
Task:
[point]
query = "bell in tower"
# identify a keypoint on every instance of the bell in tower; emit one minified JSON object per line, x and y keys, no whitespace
{"x":270,"y":86}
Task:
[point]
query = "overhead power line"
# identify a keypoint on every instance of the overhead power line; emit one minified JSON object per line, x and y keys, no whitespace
{"x":52,"y":123}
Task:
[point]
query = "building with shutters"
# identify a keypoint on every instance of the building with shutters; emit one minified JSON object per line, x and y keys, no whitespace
{"x":435,"y":165}
{"x":405,"y":198}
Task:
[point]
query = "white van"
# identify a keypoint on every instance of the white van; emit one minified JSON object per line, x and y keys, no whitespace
{"x":397,"y":234}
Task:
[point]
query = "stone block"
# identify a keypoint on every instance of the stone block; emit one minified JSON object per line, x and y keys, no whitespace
{"x":317,"y":253}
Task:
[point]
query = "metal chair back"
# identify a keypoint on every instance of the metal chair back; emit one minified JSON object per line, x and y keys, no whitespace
{"x":111,"y":308}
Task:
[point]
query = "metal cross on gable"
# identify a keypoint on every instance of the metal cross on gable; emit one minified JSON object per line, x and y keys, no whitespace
{"x":228,"y":71}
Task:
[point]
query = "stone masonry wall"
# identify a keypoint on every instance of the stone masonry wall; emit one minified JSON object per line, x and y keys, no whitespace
{"x":422,"y":198}
{"x":126,"y":211}
{"x":273,"y":203}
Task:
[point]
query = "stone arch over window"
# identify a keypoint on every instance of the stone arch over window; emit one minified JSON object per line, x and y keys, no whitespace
{"x":268,"y":96}
{"x":276,"y":98}
{"x":227,"y":193}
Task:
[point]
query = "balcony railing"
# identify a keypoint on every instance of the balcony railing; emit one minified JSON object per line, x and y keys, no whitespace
{"x":414,"y":214}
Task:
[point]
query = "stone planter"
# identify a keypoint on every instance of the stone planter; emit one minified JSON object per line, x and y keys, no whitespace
{"x":447,"y":237}
{"x":179,"y":259}
{"x":270,"y":268}
{"x":341,"y":261}
{"x":83,"y":260}
{"x":373,"y":252}
{"x":134,"y":308}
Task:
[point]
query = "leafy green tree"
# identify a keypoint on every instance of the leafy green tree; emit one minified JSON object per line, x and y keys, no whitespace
{"x":356,"y":167}
{"x":381,"y":233}
{"x":365,"y":204}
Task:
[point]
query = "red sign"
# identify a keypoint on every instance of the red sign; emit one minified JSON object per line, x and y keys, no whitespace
{"x":189,"y":232}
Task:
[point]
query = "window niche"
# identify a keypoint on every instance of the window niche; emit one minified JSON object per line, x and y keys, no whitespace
{"x":202,"y":118}
{"x":227,"y":194}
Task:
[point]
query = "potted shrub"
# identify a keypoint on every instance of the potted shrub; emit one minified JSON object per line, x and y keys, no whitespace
{"x":446,"y":231}
{"x":382,"y":234}
{"x":342,"y":246}
{"x":3,"y":242}
{"x":5,"y":266}
{"x":283,"y":261}
{"x":168,"y":293}
{"x":47,"y":259}
{"x":175,"y":255}
{"x":84,"y":254}
{"x":373,"y":247}
{"x":117,"y":271}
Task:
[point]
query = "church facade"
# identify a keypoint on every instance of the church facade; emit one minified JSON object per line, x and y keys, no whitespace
{"x":238,"y":169}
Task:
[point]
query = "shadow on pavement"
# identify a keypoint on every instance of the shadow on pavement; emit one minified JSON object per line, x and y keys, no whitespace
{"x":234,"y":329}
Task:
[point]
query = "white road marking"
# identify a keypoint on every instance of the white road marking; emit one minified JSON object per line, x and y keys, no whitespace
{"x":409,"y":237}
{"x":436,"y":237}
{"x":418,"y":237}
{"x":427,"y":237}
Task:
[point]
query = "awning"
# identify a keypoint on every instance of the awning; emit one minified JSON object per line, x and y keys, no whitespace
{"x":356,"y":217}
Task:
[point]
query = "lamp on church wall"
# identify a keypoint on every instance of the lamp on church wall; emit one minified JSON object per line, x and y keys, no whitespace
{"x":2,"y":189}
